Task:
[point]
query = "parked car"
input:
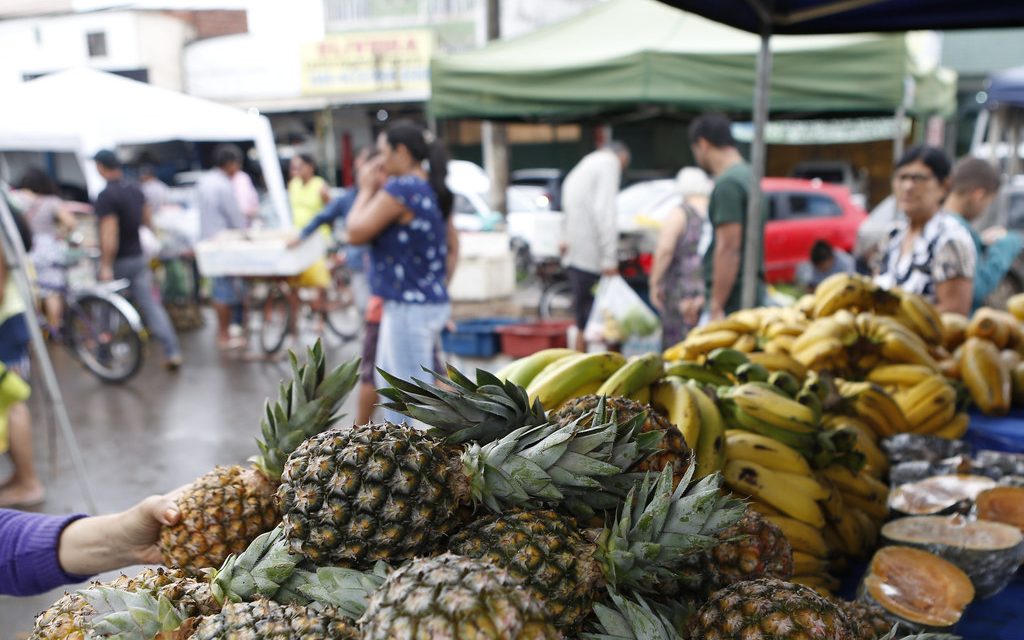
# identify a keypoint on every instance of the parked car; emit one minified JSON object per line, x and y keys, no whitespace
{"x":839,"y":173}
{"x":550,"y":180}
{"x":800,"y":212}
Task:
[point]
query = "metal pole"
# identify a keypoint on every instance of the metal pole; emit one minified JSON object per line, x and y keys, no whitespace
{"x":754,"y":238}
{"x":495,"y":134}
{"x":14,"y":252}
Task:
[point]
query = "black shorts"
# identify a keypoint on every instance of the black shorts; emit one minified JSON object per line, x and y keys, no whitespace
{"x":582,"y":285}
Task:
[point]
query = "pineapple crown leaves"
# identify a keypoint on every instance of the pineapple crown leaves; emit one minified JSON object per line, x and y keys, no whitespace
{"x":125,"y":615}
{"x":306,"y":405}
{"x":347,"y":591}
{"x":480,"y":411}
{"x":634,"y":618}
{"x":534,"y":465}
{"x":657,"y":526}
{"x":260,"y":570}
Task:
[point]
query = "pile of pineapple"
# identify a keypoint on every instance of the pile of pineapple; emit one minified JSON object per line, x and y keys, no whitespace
{"x":499,"y":520}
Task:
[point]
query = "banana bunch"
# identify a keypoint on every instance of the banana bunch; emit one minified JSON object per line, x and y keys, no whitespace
{"x":927,"y":399}
{"x":873,"y":406}
{"x":1001,"y":328}
{"x":1015,"y":305}
{"x":852,"y":292}
{"x":986,"y":375}
{"x":876,"y":462}
{"x":855,"y":509}
{"x":571,"y":376}
{"x":771,"y":329}
{"x":697,"y":417}
{"x":954,"y":330}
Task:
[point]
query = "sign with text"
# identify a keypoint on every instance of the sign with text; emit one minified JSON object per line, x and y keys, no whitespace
{"x":370,"y":61}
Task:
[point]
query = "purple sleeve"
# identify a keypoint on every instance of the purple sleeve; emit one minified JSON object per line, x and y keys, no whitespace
{"x":28,"y":553}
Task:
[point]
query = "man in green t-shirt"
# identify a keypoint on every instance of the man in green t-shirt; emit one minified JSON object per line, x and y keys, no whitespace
{"x":714,"y":150}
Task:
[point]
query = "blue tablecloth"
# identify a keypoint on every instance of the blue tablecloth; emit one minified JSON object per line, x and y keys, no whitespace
{"x":1000,"y":433}
{"x":1000,"y":617}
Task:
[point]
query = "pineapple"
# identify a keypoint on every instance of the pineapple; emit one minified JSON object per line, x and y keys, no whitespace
{"x":450,"y":596}
{"x":770,"y":609}
{"x":269,"y":620}
{"x":390,"y":492}
{"x":224,"y":510}
{"x":69,"y":616}
{"x":643,"y":548}
{"x":867,"y":621}
{"x":750,"y":549}
{"x":674,"y":451}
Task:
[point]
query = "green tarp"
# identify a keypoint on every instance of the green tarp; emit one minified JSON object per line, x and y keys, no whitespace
{"x":628,"y":53}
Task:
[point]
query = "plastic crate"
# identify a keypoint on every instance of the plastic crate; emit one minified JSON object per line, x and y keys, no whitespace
{"x":477,"y":338}
{"x":521,"y":340}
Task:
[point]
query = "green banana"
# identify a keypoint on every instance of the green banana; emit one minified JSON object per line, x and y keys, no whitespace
{"x":699,"y":373}
{"x":812,"y":402}
{"x":524,"y":370}
{"x":769,"y":404}
{"x":737,"y":417}
{"x":638,"y":372}
{"x":554,"y":386}
{"x":752,"y":372}
{"x":785,"y":381}
{"x":726,"y":360}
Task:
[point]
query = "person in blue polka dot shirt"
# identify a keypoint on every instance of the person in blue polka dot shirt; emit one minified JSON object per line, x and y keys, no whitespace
{"x":403,"y":212}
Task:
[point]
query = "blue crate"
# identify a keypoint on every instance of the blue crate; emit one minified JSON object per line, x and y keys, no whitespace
{"x":475,"y":338}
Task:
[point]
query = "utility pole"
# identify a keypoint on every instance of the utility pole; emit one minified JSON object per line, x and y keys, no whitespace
{"x":494,"y":134}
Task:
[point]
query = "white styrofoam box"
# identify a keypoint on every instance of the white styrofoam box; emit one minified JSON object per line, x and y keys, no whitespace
{"x":262,"y":252}
{"x":482,"y":244}
{"x":543,"y":231}
{"x":483,"y":278}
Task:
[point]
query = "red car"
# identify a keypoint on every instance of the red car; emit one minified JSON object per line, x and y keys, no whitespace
{"x":801,"y":212}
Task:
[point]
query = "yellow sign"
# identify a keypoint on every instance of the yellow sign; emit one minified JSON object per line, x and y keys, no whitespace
{"x":372,"y":61}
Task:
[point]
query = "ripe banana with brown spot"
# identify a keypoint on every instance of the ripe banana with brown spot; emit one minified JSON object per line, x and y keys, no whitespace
{"x":766,"y":485}
{"x":801,"y":536}
{"x":922,"y":316}
{"x":671,"y":397}
{"x":770,"y":453}
{"x":986,"y":376}
{"x":925,"y":399}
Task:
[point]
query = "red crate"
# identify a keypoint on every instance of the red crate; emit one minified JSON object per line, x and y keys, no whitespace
{"x":518,"y":340}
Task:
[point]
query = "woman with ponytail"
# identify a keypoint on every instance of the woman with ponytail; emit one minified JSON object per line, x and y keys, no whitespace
{"x":403,"y":211}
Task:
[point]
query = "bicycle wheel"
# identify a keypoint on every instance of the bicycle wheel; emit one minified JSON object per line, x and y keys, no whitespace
{"x":341,"y":312}
{"x":103,"y":339}
{"x":556,"y":301}
{"x":275,"y":312}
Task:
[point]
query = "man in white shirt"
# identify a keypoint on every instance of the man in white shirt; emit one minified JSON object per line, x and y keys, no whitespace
{"x":591,"y":232}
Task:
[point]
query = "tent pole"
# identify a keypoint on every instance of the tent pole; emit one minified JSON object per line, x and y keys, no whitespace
{"x":753,"y":240}
{"x":15,"y":255}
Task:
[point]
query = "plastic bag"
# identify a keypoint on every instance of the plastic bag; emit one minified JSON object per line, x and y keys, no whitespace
{"x":618,"y":313}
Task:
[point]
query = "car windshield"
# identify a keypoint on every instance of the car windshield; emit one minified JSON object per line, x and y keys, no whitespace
{"x":835,"y":176}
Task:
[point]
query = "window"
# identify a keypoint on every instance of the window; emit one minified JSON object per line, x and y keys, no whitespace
{"x":809,"y":205}
{"x":97,"y":43}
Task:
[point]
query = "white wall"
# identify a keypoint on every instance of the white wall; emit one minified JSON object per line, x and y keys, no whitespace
{"x":162,"y":40}
{"x":243,"y":67}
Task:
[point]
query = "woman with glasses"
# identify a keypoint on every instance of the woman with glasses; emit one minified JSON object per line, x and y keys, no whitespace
{"x":927,"y":251}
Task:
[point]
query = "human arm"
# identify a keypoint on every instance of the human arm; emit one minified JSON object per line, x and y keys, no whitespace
{"x":725,"y":265}
{"x":108,"y":245}
{"x":325,"y":193}
{"x":374,"y":208}
{"x":605,"y":194}
{"x":993,"y":264}
{"x":953,"y":270}
{"x":954,"y":296}
{"x":668,"y":236}
{"x":452,"y":237}
{"x":66,"y":219}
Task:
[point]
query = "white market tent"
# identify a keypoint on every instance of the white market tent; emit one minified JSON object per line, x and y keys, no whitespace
{"x":84,"y":110}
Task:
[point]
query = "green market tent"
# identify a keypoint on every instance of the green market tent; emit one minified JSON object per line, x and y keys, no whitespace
{"x":627,"y":53}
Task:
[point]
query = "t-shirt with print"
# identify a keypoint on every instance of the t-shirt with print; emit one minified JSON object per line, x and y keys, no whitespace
{"x":728,"y":205}
{"x":942,"y":251}
{"x":409,"y":260}
{"x":126,"y":201}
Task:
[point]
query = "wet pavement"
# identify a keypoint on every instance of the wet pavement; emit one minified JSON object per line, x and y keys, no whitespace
{"x":155,"y":433}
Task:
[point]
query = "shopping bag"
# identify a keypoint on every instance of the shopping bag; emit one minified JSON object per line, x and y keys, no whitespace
{"x":618,"y":313}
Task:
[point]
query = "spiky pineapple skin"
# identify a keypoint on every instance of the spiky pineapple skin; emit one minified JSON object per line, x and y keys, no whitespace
{"x":378,"y":492}
{"x":867,"y":621}
{"x":68,"y":617}
{"x":545,"y":551}
{"x":750,"y":549}
{"x":451,"y":596}
{"x":770,"y":609}
{"x":268,"y":620}
{"x":221,"y":513}
{"x":674,"y":451}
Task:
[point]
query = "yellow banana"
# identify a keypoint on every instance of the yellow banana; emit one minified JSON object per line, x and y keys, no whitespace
{"x":745,"y":343}
{"x":901,"y":375}
{"x":989,"y":324}
{"x":801,"y":536}
{"x":823,"y":583}
{"x":779,"y":345}
{"x":954,"y":330}
{"x":524,"y":370}
{"x":925,"y":398}
{"x":860,"y":484}
{"x":637,"y":373}
{"x":754,"y":447}
{"x":923,"y":317}
{"x":943,"y":416}
{"x":877,"y":462}
{"x":1015,"y":305}
{"x":556,"y":383}
{"x":955,"y":428}
{"x":986,"y":376}
{"x":641,"y":395}
{"x":773,"y":408}
{"x":880,"y":411}
{"x":672,"y":398}
{"x":704,"y":343}
{"x":845,"y":525}
{"x":851,"y":294}
{"x":711,"y":442}
{"x":743,"y":478}
{"x":907,"y":348}
{"x":806,"y":564}
{"x":779,"y":362}
{"x":868,"y":527}
{"x":1017,"y":383}
{"x":587,"y":389}
{"x":733,"y":322}
{"x":878,"y":511}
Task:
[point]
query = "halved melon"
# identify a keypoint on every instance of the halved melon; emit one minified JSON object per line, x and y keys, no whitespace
{"x":988,"y":552}
{"x":917,"y":588}
{"x":938,"y":495}
{"x":1002,"y":504}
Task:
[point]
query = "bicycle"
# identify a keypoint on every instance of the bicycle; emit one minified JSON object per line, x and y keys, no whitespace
{"x":274,"y":302}
{"x":101,"y":329}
